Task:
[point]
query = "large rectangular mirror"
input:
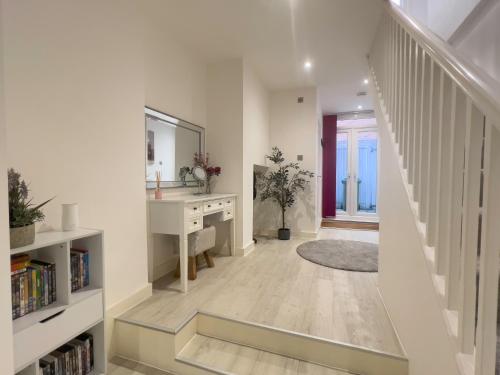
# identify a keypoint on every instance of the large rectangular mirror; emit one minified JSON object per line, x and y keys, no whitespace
{"x":170,"y":146}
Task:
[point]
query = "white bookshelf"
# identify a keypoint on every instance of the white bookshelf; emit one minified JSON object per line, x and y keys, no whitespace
{"x":41,"y":332}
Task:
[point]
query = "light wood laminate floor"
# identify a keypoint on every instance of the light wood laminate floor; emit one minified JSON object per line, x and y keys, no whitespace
{"x":243,"y":360}
{"x":275,"y":286}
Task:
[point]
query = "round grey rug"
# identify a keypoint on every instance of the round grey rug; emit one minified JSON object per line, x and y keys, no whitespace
{"x":342,"y":255}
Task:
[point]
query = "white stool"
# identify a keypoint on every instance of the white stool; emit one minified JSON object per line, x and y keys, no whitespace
{"x":198,"y":242}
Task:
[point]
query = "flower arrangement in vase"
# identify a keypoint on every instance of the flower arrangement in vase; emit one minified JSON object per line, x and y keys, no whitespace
{"x":158,"y":194}
{"x":202,"y":160}
{"x":22,"y":213}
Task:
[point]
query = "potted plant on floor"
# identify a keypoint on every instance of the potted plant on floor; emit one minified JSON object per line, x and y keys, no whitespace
{"x":281,"y":184}
{"x":22,"y":213}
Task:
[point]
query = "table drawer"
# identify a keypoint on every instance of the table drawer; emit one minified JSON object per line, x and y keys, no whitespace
{"x":41,"y":338}
{"x":213,"y":206}
{"x":228,"y":213}
{"x":194,"y":224}
{"x":192,"y":210}
{"x":229,"y":203}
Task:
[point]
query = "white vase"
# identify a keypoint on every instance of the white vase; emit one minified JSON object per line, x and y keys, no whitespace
{"x":70,"y":220}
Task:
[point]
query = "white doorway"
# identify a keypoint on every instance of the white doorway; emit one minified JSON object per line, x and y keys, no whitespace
{"x":357,"y":173}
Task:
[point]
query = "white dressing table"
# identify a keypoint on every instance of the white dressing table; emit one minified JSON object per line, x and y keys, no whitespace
{"x":183,"y":214}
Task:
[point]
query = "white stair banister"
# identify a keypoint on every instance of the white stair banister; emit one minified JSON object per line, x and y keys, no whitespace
{"x":419,"y":74}
{"x":470,"y":221}
{"x":458,"y":144}
{"x":490,"y":252}
{"x":444,"y":197}
{"x":444,"y":116}
{"x":434,"y":170}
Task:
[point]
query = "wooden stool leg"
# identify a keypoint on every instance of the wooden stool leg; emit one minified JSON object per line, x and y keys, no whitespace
{"x":192,"y":268}
{"x":209,"y":259}
{"x":178,"y":269}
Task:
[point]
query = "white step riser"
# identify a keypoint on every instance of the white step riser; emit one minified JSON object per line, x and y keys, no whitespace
{"x":160,"y":349}
{"x":302,"y":347}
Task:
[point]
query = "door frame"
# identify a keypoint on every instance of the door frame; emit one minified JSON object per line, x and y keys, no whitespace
{"x":351,"y":212}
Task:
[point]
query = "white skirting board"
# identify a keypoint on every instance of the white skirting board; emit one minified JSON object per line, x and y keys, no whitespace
{"x":273,"y":233}
{"x":119,"y":308}
{"x":246,"y":250}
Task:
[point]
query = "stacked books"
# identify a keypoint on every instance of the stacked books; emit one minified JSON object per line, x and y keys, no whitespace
{"x":74,"y":358}
{"x":33,"y":284}
{"x":79,"y":269}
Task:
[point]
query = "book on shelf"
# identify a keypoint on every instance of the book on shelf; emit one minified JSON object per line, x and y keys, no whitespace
{"x":73,"y":358}
{"x":33,"y":284}
{"x":80,"y":277}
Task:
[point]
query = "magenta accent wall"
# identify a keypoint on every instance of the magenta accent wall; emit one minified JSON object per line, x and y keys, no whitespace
{"x":329,"y":164}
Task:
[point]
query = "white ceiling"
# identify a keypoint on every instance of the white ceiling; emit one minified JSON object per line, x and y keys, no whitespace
{"x":277,"y":36}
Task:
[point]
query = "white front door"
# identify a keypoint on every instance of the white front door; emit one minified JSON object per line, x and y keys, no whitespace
{"x":357,"y":173}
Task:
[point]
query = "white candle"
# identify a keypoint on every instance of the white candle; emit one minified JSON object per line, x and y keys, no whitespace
{"x":70,"y":220}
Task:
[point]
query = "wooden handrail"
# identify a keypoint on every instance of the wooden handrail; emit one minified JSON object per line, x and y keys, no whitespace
{"x":477,"y":84}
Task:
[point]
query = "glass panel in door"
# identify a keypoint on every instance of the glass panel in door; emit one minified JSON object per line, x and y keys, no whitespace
{"x":342,"y":171}
{"x":367,"y":155}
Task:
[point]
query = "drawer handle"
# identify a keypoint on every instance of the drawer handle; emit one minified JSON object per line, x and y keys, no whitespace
{"x":195,"y":208}
{"x":220,"y":203}
{"x":209,"y":205}
{"x":195,"y":223}
{"x":228,"y":202}
{"x":52,"y":316}
{"x":229,"y":212}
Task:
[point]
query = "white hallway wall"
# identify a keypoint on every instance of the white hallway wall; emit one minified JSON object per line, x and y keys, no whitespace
{"x":225,"y":135}
{"x":75,"y":121}
{"x":404,"y":281}
{"x":175,"y":78}
{"x":476,"y":37}
{"x":294,"y":129}
{"x":443,"y":17}
{"x":175,"y":83}
{"x":256,"y":134}
{"x":481,"y":45}
{"x":6,"y":358}
{"x":238,"y":136}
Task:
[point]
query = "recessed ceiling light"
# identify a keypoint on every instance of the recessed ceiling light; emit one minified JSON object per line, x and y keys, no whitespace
{"x":365,"y":81}
{"x":360,"y":107}
{"x":308,"y":65}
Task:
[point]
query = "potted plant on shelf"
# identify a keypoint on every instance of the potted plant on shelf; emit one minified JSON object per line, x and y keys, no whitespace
{"x":22,"y":213}
{"x":281,"y":184}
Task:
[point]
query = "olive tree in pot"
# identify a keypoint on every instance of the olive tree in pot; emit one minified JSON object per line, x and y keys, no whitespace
{"x":281,"y":184}
{"x":22,"y":213}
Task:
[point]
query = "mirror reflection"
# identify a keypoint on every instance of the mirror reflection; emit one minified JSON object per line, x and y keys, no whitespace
{"x":170,"y":147}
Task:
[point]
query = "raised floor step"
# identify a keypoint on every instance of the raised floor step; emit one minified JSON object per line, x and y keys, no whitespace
{"x":204,"y":337}
{"x":121,"y":366}
{"x":225,"y":357}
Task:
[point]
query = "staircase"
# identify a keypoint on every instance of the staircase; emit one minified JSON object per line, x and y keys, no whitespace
{"x":442,"y":119}
{"x":211,"y":344}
